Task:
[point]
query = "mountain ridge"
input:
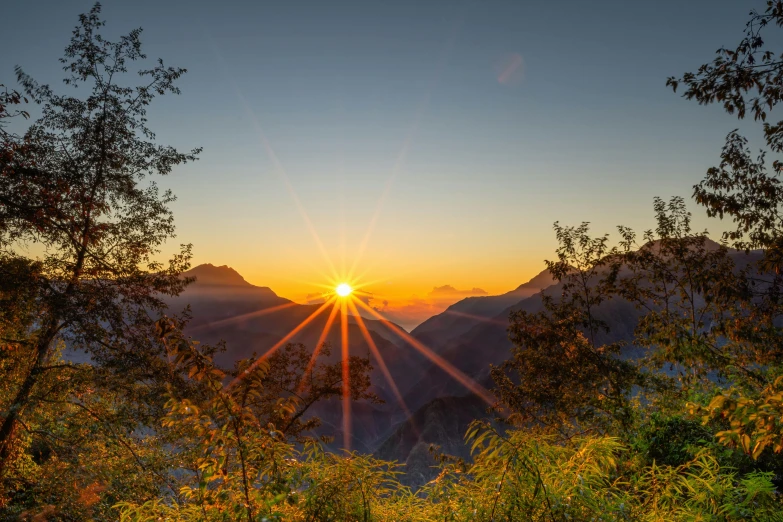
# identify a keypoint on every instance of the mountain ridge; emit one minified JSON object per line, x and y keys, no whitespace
{"x":220,"y":275}
{"x":463,"y":315}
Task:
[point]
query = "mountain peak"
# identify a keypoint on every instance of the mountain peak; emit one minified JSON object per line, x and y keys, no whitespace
{"x":209,"y":274}
{"x":539,"y":282}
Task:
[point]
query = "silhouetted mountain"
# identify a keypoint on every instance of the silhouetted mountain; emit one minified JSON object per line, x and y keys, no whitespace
{"x":209,"y":274}
{"x":219,"y":292}
{"x":471,"y":311}
{"x":441,"y":423}
{"x":252,"y":319}
{"x":487,"y":343}
{"x":473,"y":351}
{"x":442,"y":331}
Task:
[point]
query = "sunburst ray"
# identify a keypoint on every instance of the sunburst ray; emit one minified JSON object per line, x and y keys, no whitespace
{"x":346,"y":377}
{"x":377,"y":353}
{"x":242,"y":317}
{"x":319,"y":344}
{"x":446,"y":366}
{"x":281,"y":342}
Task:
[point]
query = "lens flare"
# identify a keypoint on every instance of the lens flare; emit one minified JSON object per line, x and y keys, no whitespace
{"x":345,"y":302}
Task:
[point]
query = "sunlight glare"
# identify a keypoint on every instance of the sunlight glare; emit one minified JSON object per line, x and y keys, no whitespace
{"x":344,"y":289}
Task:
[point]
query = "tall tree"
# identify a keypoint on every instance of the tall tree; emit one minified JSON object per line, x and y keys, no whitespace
{"x":77,"y":189}
{"x":695,"y":298}
{"x":748,"y":79}
{"x":561,"y":373}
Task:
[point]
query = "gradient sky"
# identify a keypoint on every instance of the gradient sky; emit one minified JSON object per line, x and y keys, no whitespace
{"x":472,"y":125}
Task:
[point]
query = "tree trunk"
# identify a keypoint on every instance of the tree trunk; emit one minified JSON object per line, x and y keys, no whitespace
{"x":8,"y":428}
{"x":42,"y":349}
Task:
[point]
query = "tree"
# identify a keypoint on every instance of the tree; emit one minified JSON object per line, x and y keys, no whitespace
{"x":293,"y":381}
{"x":290,"y":385}
{"x":76,"y":189}
{"x":749,"y":79}
{"x":234,"y":442}
{"x":8,"y":99}
{"x":699,"y":314}
{"x":561,"y":372}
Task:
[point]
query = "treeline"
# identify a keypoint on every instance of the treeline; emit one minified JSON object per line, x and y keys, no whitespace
{"x":684,"y":423}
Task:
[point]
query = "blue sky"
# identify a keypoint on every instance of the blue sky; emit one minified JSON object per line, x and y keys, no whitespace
{"x":584,"y":128}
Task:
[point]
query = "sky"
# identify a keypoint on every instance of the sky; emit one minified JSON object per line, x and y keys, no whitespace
{"x":424,"y":144}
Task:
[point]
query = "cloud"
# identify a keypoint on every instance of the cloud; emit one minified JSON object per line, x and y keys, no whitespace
{"x":448,"y":291}
{"x":316,"y":298}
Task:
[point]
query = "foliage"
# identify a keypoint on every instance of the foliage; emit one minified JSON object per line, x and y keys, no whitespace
{"x":670,"y":441}
{"x":742,"y":188}
{"x":233,"y":462}
{"x":8,"y":99}
{"x":524,"y":475}
{"x":293,"y":384}
{"x":746,"y":78}
{"x":352,"y":487}
{"x":561,"y":372}
{"x":756,"y":422}
{"x":735,"y":73}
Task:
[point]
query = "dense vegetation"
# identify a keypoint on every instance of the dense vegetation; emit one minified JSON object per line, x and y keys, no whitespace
{"x":688,"y":428}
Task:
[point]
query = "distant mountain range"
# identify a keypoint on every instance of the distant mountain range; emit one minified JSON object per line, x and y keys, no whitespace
{"x":251,"y":319}
{"x":471,"y":335}
{"x":462,"y":316}
{"x":480,"y":343}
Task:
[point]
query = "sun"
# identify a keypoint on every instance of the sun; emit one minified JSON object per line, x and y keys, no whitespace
{"x":343,"y":289}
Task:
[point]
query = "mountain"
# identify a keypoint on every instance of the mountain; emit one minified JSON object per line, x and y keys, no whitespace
{"x":484,"y":343}
{"x":469,"y":312}
{"x":252,"y":319}
{"x":471,"y":335}
{"x":441,"y":425}
{"x":487,"y":344}
{"x":444,"y":408}
{"x":219,"y":293}
{"x":211,"y":275}
{"x":442,"y":331}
